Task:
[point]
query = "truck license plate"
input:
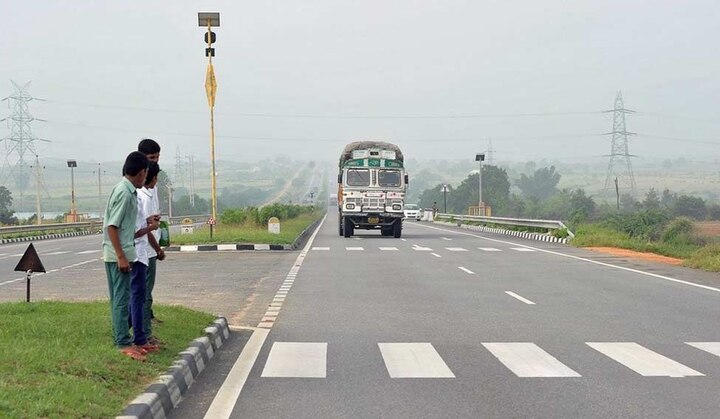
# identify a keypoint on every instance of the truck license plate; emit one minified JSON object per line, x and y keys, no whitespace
{"x":373,"y":220}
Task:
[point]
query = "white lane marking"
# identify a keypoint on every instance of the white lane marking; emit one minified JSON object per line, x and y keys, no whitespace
{"x":712,"y":347}
{"x":594,"y":262}
{"x":224,"y":247}
{"x":404,"y":240}
{"x":522,"y":249}
{"x":87,"y":252}
{"x":523,"y":299}
{"x":61,"y":252}
{"x":35,"y":275}
{"x":414,"y":360}
{"x":529,"y":360}
{"x":226,"y":397}
{"x":446,"y":238}
{"x":188,"y":248}
{"x":357,"y":238}
{"x":436,"y":255}
{"x":456,"y":249}
{"x":642,"y":360}
{"x":489,"y":249}
{"x":297,"y":360}
{"x":466,"y":270}
{"x":354,"y":248}
{"x":389,"y":248}
{"x":421,"y":249}
{"x":320,"y":248}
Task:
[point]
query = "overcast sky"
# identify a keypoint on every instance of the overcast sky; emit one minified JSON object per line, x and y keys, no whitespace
{"x":302,"y":78}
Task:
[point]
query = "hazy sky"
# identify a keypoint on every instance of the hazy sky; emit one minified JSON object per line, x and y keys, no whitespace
{"x":304,"y":77}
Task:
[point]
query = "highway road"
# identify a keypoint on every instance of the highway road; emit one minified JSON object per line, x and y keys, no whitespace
{"x":449,"y":323}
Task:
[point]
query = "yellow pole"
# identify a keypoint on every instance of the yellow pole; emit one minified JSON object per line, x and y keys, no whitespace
{"x":213,"y":192}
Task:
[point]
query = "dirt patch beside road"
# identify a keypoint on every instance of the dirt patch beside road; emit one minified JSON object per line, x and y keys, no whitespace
{"x":650,"y":257}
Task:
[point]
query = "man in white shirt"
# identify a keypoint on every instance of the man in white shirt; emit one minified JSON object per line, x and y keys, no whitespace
{"x":145,"y":224}
{"x":151,"y":149}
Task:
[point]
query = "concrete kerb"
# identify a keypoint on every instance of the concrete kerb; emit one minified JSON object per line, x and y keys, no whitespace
{"x":521,"y":234}
{"x":46,"y":237}
{"x":166,"y":392}
{"x":296,"y":244}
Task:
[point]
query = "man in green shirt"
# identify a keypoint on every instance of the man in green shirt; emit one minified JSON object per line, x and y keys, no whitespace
{"x":119,"y":248}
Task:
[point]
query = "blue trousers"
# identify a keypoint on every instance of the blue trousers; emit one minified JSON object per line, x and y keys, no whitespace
{"x":138,"y":286}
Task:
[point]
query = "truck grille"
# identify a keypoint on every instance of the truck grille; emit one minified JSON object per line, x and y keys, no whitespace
{"x":373,"y":203}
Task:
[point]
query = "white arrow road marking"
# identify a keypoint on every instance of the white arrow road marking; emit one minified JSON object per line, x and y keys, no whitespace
{"x":297,"y":360}
{"x":642,"y":360}
{"x":712,"y":347}
{"x":529,"y":360}
{"x":414,"y":360}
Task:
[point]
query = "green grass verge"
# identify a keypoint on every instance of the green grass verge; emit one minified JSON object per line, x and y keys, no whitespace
{"x":57,"y":359}
{"x":41,"y":233}
{"x":249,"y":232}
{"x":702,"y":257}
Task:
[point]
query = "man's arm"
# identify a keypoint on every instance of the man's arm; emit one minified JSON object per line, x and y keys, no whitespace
{"x":114,"y":234}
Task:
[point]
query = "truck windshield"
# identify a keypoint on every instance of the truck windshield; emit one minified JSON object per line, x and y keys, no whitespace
{"x":358,"y":177}
{"x":388,"y":178}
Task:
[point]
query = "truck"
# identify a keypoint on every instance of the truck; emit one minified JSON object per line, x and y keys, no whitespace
{"x":372,"y":183}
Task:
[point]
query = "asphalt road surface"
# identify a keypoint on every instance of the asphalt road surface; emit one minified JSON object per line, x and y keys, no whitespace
{"x":450,"y":323}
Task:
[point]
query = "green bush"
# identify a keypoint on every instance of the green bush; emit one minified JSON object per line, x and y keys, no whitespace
{"x":260,"y":216}
{"x":560,"y":233}
{"x":680,"y":231}
{"x":645,"y":224}
{"x":233,"y":216}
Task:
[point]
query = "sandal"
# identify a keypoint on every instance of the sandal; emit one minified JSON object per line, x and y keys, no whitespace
{"x":133,"y":353}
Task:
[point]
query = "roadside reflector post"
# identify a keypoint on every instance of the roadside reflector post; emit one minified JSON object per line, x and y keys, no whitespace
{"x":29,"y":263}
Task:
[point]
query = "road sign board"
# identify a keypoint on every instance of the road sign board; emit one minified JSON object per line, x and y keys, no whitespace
{"x":211,"y":221}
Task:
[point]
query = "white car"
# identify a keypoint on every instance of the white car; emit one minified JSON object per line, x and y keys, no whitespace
{"x":412,"y":212}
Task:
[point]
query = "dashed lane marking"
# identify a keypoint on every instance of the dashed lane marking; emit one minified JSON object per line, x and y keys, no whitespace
{"x":488,"y":249}
{"x":523,"y":299}
{"x":320,"y":248}
{"x":436,"y":255}
{"x":466,"y":270}
{"x":354,"y":248}
{"x":421,"y":248}
{"x":456,"y":249}
{"x":389,"y":248}
{"x":87,"y":252}
{"x":522,"y":249}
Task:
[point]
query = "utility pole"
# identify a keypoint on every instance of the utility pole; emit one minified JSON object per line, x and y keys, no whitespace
{"x":38,"y":183}
{"x":21,"y":141}
{"x":192,"y":180}
{"x":480,"y":157}
{"x":491,"y":153}
{"x":619,"y":154}
{"x":72,"y":164}
{"x":100,"y":200}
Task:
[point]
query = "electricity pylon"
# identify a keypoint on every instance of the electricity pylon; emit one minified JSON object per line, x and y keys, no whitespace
{"x":620,"y":166}
{"x":21,"y":141}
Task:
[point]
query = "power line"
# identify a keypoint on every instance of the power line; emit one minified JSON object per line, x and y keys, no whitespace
{"x":330,"y":116}
{"x":619,"y":150}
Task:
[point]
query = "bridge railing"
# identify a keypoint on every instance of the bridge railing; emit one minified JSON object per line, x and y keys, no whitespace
{"x":548,"y":225}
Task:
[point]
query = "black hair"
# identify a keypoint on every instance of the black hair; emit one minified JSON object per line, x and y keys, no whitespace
{"x":135,"y":163}
{"x":148,"y":146}
{"x":153,"y":170}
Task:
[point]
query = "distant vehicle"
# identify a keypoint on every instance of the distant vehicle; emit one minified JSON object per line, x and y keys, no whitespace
{"x":412,"y":212}
{"x":333,"y":199}
{"x":371,"y":188}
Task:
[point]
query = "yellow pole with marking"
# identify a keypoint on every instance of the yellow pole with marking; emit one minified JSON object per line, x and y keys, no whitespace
{"x":211,"y":90}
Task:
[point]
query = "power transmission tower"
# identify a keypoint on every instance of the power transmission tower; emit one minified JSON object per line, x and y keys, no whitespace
{"x":20,"y":142}
{"x":490,"y":154}
{"x":180,"y":168}
{"x":620,"y":166}
{"x":38,"y":185}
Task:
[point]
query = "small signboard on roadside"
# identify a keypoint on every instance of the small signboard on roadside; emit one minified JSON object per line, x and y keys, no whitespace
{"x":274,"y":225}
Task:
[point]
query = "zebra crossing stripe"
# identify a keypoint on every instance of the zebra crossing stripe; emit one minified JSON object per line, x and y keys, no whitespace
{"x":297,"y":360}
{"x":421,"y":248}
{"x":320,"y":248}
{"x":712,"y":347}
{"x":456,"y":249}
{"x":642,"y":360}
{"x":488,"y":249}
{"x":414,"y":360}
{"x":522,"y":249}
{"x":529,"y":360}
{"x":388,"y":248}
{"x":354,"y":248}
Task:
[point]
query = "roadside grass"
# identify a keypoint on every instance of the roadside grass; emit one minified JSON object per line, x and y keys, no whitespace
{"x":40,"y":233}
{"x":696,"y":256}
{"x":249,"y":232}
{"x":57,"y":359}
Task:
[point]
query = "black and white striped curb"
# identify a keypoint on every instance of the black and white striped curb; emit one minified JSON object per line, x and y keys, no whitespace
{"x":299,"y":241}
{"x":46,"y":236}
{"x":521,"y":234}
{"x":162,"y":396}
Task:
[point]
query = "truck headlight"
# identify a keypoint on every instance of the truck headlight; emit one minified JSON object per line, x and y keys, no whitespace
{"x":396,"y":207}
{"x":350,"y":206}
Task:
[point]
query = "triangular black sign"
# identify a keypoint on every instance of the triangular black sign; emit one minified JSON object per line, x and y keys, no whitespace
{"x":30,"y":261}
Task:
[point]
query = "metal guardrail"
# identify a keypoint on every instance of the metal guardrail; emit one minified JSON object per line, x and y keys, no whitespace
{"x":546,"y":224}
{"x":43,"y":228}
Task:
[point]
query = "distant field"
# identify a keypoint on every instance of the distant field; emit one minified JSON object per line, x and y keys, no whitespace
{"x":708,"y":228}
